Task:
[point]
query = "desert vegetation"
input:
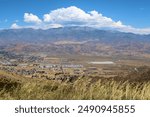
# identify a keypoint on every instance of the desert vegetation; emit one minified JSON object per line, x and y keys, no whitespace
{"x":128,"y":88}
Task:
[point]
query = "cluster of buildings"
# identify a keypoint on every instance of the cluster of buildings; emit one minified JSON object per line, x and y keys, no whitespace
{"x":51,"y":68}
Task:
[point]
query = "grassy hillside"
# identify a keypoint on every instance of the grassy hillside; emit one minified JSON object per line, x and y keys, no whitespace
{"x":16,"y":87}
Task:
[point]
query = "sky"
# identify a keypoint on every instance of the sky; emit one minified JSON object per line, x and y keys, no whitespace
{"x":123,"y":15}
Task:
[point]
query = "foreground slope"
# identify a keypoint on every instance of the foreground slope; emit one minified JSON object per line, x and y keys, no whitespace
{"x":83,"y":88}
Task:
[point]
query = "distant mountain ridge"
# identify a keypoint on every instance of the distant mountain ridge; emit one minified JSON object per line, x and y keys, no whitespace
{"x":75,"y":40}
{"x":67,"y":33}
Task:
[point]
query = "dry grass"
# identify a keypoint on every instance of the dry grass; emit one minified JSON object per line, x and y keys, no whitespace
{"x":81,"y":89}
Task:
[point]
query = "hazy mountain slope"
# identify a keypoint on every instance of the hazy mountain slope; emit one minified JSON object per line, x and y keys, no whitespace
{"x":67,"y":33}
{"x":75,"y":40}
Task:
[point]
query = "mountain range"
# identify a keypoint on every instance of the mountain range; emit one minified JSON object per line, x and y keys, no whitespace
{"x":68,"y":33}
{"x":83,"y":40}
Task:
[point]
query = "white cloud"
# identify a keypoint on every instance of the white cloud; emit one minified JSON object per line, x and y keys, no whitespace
{"x":43,"y":26}
{"x":47,"y":26}
{"x":29,"y":17}
{"x":73,"y":16}
{"x":61,"y":15}
{"x":135,"y":30}
{"x":15,"y":26}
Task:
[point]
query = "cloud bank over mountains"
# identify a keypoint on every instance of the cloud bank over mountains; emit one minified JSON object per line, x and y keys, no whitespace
{"x":73,"y":16}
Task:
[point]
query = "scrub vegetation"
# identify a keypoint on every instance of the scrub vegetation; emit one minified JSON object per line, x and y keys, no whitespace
{"x":13,"y":87}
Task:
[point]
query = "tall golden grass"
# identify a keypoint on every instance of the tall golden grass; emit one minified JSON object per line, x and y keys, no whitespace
{"x":81,"y":89}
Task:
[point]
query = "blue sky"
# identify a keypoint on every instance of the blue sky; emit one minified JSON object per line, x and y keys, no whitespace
{"x":125,"y":15}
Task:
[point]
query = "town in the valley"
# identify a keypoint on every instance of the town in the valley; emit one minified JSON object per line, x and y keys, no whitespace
{"x":61,"y":68}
